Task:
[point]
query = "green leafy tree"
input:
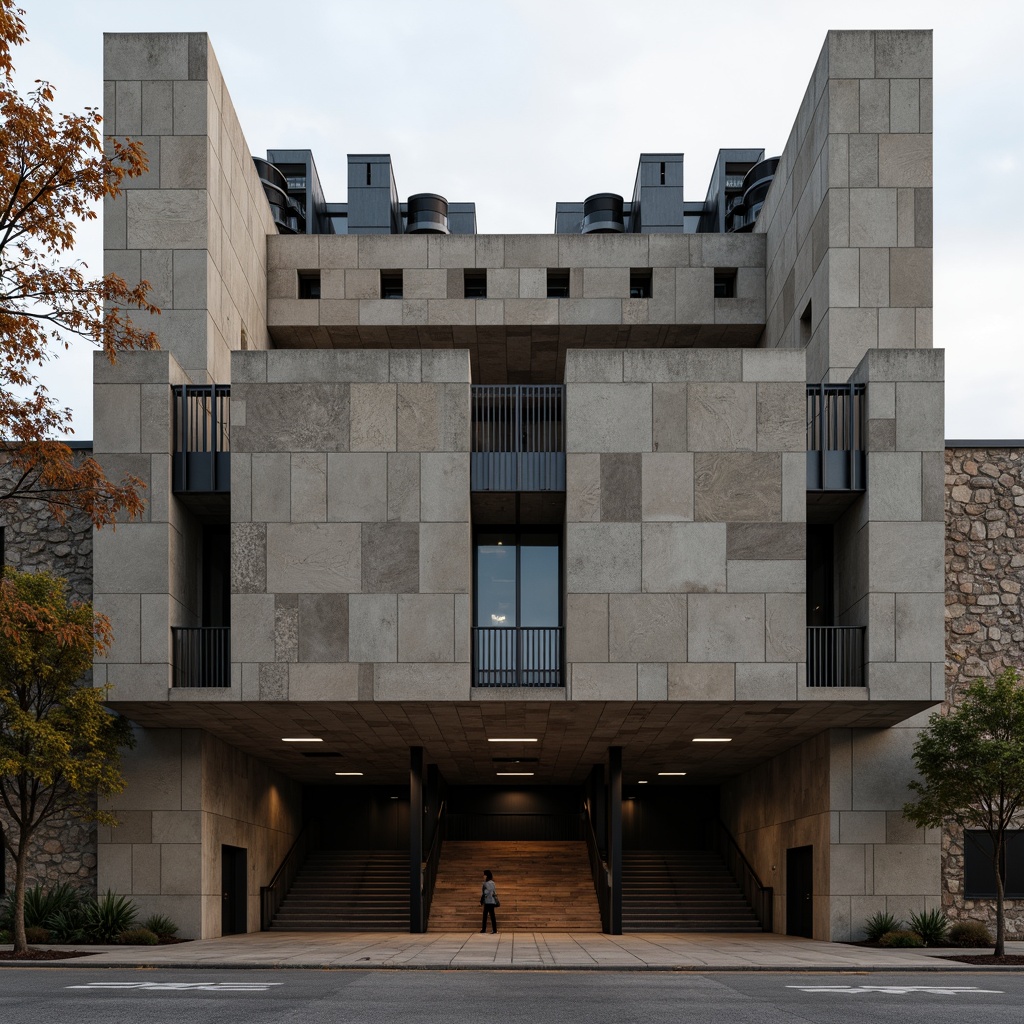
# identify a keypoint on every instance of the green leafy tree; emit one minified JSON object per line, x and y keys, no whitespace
{"x":971,"y":763}
{"x":59,"y":745}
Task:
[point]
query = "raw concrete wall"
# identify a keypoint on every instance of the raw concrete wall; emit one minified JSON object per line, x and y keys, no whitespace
{"x":187,"y":793}
{"x":685,"y":537}
{"x":781,"y":805}
{"x":351,"y":559}
{"x":848,"y":218}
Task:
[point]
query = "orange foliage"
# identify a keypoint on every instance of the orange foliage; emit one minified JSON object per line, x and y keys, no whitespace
{"x":53,"y":172}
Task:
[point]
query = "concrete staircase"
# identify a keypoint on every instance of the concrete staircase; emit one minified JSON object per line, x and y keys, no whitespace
{"x":543,"y":886}
{"x":682,"y":891}
{"x":348,"y":891}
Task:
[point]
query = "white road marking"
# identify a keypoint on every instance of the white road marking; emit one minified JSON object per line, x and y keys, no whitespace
{"x":180,"y":986}
{"x":900,"y":990}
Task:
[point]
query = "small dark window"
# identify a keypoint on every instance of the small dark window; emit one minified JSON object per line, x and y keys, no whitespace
{"x":390,"y":284}
{"x":309,"y":284}
{"x":725,"y":283}
{"x":474,"y":283}
{"x":980,"y":872}
{"x":640,"y":283}
{"x":662,"y":173}
{"x":558,"y":284}
{"x":806,"y":325}
{"x":368,"y":182}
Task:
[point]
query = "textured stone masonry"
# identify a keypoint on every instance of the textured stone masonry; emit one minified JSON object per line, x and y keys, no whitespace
{"x":984,"y":624}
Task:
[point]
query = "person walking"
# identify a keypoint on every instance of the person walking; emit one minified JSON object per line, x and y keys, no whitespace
{"x":489,"y":900}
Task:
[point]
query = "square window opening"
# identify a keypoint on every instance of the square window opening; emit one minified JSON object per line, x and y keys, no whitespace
{"x":640,"y":283}
{"x":474,"y":284}
{"x":558,"y":284}
{"x":391,"y":284}
{"x":725,"y":282}
{"x":309,"y":284}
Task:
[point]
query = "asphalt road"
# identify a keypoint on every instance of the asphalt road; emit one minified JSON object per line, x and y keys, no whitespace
{"x":56,"y":996}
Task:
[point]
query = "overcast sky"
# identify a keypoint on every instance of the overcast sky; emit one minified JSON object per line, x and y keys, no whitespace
{"x":515,"y":104}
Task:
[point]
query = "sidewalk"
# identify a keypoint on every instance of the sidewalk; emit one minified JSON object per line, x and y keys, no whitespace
{"x":515,"y":950}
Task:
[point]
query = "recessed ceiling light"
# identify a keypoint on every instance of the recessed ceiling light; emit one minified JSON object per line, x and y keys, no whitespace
{"x":512,"y":739}
{"x":671,"y":773}
{"x":641,"y":782}
{"x":348,"y":773}
{"x":712,"y":739}
{"x":301,"y":739}
{"x":513,"y":773}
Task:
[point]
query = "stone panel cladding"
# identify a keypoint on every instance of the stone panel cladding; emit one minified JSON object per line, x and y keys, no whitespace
{"x":65,"y":849}
{"x":685,"y":525}
{"x":848,"y":217}
{"x":350,"y":514}
{"x":984,"y":620}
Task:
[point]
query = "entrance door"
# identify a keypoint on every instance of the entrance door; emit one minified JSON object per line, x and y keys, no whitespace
{"x":800,"y":891}
{"x":234,"y":908}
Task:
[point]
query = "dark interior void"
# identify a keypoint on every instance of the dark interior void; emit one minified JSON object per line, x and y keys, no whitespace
{"x":820,"y":575}
{"x":980,"y":869}
{"x":216,"y":574}
{"x":377,"y":817}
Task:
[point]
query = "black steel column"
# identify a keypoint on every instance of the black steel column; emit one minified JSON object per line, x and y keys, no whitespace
{"x":615,"y":838}
{"x":415,"y":839}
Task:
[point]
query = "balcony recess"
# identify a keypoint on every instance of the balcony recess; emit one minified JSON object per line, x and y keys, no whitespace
{"x":202,"y":656}
{"x":517,"y":656}
{"x":518,"y":437}
{"x":202,"y":442}
{"x":835,"y":656}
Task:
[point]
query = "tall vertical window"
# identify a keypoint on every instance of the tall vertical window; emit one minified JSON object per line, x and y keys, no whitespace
{"x":518,"y":614}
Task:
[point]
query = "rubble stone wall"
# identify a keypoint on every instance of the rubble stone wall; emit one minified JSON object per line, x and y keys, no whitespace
{"x":984,"y":622}
{"x":65,"y":848}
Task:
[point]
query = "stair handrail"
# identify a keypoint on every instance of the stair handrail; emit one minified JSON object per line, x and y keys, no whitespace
{"x":433,"y":860}
{"x":599,"y":870}
{"x":273,"y":893}
{"x":760,"y":897}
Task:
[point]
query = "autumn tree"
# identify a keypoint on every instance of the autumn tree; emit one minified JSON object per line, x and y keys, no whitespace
{"x":59,"y":746}
{"x":53,"y":174}
{"x":971,"y":763}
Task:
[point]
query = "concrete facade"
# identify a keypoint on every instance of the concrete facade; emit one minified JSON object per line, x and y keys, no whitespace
{"x":684,"y":531}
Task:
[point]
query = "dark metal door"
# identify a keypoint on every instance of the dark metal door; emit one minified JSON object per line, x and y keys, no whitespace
{"x":234,"y":904}
{"x":800,"y":891}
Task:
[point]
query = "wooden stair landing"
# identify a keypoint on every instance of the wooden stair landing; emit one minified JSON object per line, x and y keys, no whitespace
{"x":543,"y":886}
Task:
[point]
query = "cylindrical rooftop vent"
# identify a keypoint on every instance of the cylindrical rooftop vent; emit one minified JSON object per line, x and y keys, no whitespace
{"x":427,"y":214}
{"x":602,"y":213}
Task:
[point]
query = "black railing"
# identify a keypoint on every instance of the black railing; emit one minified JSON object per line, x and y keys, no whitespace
{"x":202,"y":440}
{"x":517,"y":656}
{"x":835,"y":437}
{"x":599,"y":871}
{"x":835,"y":655}
{"x":202,"y":655}
{"x":518,"y":437}
{"x":273,"y":894}
{"x":433,"y":859}
{"x":760,"y":897}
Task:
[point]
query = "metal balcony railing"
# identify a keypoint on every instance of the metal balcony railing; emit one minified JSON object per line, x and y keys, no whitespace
{"x":517,"y":656}
{"x":835,"y":437}
{"x":202,"y":441}
{"x":518,"y":437}
{"x":202,"y":655}
{"x":835,"y":655}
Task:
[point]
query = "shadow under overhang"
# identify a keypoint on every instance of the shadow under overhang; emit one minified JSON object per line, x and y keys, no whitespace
{"x":572,"y":736}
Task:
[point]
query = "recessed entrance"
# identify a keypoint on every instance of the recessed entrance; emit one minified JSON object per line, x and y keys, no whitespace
{"x":800,"y":891}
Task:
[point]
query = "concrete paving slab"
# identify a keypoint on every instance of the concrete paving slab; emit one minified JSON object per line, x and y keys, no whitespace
{"x":514,"y":950}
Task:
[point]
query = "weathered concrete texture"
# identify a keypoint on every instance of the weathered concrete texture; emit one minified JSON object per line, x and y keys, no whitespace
{"x":984,"y":628}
